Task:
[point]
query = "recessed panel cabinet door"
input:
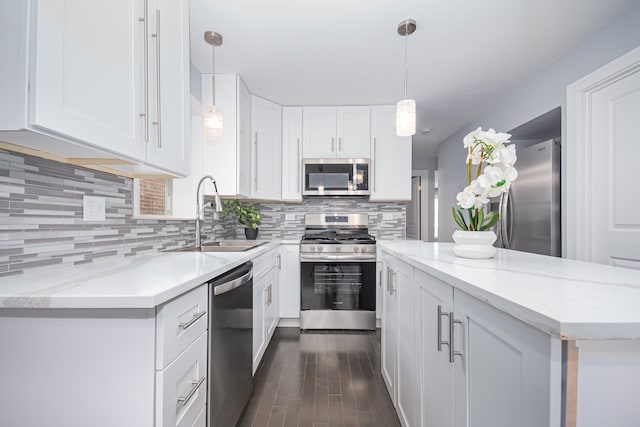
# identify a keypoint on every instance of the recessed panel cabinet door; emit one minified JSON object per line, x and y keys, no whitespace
{"x":504,"y":373}
{"x":391,"y":157}
{"x":435,"y":301}
{"x":389,"y":344}
{"x":87,"y":76}
{"x":266,"y":159}
{"x":169,"y":84}
{"x":319,"y":132}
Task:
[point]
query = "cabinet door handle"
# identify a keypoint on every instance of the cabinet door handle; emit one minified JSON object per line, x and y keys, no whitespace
{"x":389,"y":280}
{"x":193,"y":320}
{"x":145,"y":78}
{"x":440,"y":314}
{"x":195,"y":386}
{"x":158,"y":123}
{"x":394,"y":276}
{"x":255,"y":166}
{"x":380,"y":278}
{"x":266,"y":296}
{"x":333,"y":145}
{"x":452,"y":352}
{"x":298,"y":160}
{"x":279,"y":261}
{"x":375,"y":159}
{"x":339,"y":143}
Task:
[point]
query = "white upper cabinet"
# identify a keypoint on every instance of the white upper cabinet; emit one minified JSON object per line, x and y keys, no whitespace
{"x":353,"y":125}
{"x":168,"y":83}
{"x":266,"y":151}
{"x":336,"y":132}
{"x":292,"y":153}
{"x":98,"y":80}
{"x":228,"y":157}
{"x":390,"y":157}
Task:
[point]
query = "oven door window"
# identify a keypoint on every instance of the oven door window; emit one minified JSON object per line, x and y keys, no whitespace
{"x":338,"y":286}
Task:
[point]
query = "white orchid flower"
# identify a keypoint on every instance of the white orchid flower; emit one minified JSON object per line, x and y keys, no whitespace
{"x":496,"y":139}
{"x":466,"y":200}
{"x":494,"y":160}
{"x":471,"y":137}
{"x":505,"y":155}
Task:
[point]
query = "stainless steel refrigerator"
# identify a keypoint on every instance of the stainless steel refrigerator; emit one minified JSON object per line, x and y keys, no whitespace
{"x":530,"y":211}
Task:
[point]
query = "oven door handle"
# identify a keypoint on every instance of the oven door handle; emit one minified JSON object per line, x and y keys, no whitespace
{"x":345,"y":257}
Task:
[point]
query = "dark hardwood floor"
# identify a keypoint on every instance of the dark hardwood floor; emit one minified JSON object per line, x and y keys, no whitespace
{"x":320,"y":378}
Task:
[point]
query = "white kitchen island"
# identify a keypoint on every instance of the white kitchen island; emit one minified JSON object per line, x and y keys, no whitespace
{"x":536,"y":340}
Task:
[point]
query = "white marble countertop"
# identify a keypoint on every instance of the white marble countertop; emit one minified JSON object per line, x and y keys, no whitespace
{"x":143,"y":281}
{"x":566,"y":298}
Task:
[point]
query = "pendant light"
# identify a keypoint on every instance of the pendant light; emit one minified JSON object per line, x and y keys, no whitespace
{"x":406,"y":108}
{"x":213,"y":120}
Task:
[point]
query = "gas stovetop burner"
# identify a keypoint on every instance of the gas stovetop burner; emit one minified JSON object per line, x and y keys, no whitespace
{"x":334,"y":236}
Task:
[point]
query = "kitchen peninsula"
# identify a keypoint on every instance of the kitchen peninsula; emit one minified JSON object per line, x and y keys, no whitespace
{"x":535,"y":340}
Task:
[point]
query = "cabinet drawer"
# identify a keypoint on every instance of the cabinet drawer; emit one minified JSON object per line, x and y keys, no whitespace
{"x":181,"y":388}
{"x":263,"y":263}
{"x":179,"y":323}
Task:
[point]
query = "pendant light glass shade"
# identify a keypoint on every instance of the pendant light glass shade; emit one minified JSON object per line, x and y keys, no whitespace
{"x":213,"y":122}
{"x":406,"y":117}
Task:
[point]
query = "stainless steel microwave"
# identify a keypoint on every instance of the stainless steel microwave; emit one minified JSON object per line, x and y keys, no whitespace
{"x":335,"y":177}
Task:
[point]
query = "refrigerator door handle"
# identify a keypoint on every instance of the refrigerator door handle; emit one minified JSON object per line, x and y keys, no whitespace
{"x":504,"y":217}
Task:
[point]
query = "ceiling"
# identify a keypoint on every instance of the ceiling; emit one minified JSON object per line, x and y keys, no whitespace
{"x":463,"y":56}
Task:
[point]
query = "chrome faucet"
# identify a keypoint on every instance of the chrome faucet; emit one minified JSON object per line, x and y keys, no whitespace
{"x":200,"y":211}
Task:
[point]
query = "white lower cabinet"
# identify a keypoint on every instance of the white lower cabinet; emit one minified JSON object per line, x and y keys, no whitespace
{"x":259,"y":321}
{"x":449,"y":359}
{"x":289,"y":281}
{"x":389,"y":332}
{"x":265,"y":304}
{"x":399,"y":339}
{"x":435,"y":301}
{"x":504,"y":375}
{"x":105,"y":367}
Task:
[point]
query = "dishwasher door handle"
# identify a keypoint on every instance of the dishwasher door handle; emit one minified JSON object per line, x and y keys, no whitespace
{"x":235,"y":283}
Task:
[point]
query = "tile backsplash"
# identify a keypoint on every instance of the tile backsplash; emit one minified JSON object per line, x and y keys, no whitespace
{"x":41,"y":218}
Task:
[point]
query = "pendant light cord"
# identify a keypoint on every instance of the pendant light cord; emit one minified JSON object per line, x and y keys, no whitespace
{"x":406,"y":68}
{"x":213,"y":75}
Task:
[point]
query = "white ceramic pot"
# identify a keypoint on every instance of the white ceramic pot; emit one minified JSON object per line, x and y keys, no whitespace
{"x":474,"y":244}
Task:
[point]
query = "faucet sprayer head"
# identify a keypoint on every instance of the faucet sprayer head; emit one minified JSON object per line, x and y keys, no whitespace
{"x":218,"y":202}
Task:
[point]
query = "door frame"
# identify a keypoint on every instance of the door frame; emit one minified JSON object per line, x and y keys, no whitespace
{"x":580,"y":151}
{"x":426,"y":229}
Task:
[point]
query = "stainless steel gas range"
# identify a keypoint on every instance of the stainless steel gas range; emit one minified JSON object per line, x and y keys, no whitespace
{"x":337,"y":272}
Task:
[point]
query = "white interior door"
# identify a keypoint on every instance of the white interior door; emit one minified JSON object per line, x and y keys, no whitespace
{"x":413,"y":210}
{"x":602,"y":154}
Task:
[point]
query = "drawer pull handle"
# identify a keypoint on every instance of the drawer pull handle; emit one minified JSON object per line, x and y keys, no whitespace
{"x":196,"y":385}
{"x":193,"y":320}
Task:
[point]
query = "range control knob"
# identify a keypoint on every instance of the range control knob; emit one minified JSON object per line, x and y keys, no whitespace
{"x":312,"y":248}
{"x":319,"y":248}
{"x":355,"y":249}
{"x":363,"y":249}
{"x":338,"y":249}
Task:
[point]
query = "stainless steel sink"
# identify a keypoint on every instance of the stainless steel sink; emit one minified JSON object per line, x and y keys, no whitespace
{"x":222,"y":246}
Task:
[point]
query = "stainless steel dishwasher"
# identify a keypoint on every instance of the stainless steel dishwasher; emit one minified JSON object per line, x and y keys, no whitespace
{"x":230,"y":345}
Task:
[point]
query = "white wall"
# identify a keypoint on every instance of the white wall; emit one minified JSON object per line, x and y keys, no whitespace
{"x":543,"y":92}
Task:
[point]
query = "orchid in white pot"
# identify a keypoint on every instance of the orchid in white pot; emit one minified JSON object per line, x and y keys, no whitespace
{"x":490,"y":173}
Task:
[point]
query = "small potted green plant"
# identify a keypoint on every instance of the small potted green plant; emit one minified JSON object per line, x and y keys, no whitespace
{"x":247,"y":215}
